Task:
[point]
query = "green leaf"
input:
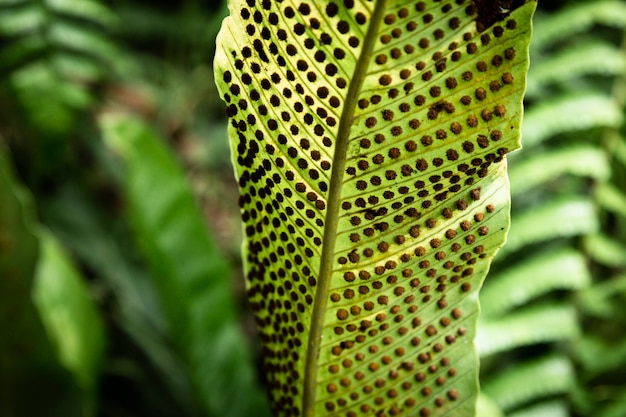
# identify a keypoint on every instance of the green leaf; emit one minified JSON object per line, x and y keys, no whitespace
{"x":28,"y":361}
{"x":532,"y":172}
{"x":84,"y":9}
{"x":611,"y":198}
{"x":598,"y":300}
{"x":192,"y":277}
{"x":598,"y":355}
{"x":530,"y":381}
{"x":528,"y":326}
{"x":567,"y":217}
{"x":580,"y":61}
{"x":368,"y":141}
{"x":70,"y":316}
{"x":544,"y":409}
{"x":606,"y":250}
{"x":73,"y":218}
{"x":519,"y":284}
{"x":578,"y":18}
{"x":570,"y":113}
{"x":137,"y":310}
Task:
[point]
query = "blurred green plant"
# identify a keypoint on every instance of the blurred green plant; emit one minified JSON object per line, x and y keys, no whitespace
{"x":51,"y":333}
{"x":550,"y":306}
{"x":191,"y":276}
{"x":175,"y":341}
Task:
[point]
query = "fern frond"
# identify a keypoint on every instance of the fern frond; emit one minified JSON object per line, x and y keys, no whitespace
{"x":40,"y":32}
{"x":577,"y":18}
{"x":531,"y":325}
{"x":54,"y":51}
{"x":584,"y":161}
{"x":532,"y":278}
{"x":570,"y":63}
{"x":544,"y":409}
{"x":616,"y":408}
{"x":20,"y":19}
{"x":605,"y":250}
{"x":620,"y":150}
{"x":572,"y":216}
{"x":76,"y":38}
{"x":597,"y":300}
{"x":611,"y":199}
{"x":88,"y":10}
{"x":531,"y":381}
{"x":570,"y":113}
{"x":360,"y":133}
{"x":598,"y":355}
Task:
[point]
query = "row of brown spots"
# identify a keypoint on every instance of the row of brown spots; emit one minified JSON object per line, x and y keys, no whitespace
{"x":281,"y":327}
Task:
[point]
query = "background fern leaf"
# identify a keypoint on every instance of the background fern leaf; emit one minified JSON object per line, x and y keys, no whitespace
{"x":561,"y":218}
{"x":547,"y":75}
{"x":532,"y":325}
{"x":569,"y":113}
{"x":577,"y":18}
{"x":544,"y":409}
{"x":531,"y":380}
{"x":575,"y":102}
{"x":558,"y":269}
{"x":583,"y":161}
{"x":369,"y":144}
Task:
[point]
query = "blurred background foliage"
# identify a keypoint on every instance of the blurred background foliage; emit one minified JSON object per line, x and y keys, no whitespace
{"x":120,"y":285}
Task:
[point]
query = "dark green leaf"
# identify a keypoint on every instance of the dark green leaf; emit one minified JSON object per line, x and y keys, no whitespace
{"x":193,"y":278}
{"x":28,"y":361}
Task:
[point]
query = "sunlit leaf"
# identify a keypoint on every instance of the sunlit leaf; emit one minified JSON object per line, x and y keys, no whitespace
{"x":369,"y":142}
{"x":532,"y":173}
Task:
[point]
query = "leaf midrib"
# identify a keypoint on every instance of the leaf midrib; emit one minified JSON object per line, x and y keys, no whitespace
{"x":332,"y":218}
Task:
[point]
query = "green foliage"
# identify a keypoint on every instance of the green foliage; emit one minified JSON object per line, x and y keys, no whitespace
{"x":196,"y":294}
{"x":62,"y":51}
{"x":528,"y":326}
{"x":69,"y":315}
{"x":95,"y":222}
{"x":356,"y":166}
{"x":554,"y":295}
{"x":556,"y":270}
{"x":30,"y":358}
{"x":531,"y":381}
{"x":54,"y":49}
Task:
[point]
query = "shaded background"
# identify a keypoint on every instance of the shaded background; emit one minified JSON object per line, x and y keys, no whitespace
{"x":111,"y":132}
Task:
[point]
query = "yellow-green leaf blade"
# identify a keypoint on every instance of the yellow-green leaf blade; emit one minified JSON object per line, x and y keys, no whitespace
{"x":369,"y":140}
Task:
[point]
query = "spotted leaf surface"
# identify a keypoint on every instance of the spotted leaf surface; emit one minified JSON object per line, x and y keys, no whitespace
{"x":369,"y":142}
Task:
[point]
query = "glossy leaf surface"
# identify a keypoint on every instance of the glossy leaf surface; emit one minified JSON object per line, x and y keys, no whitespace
{"x":369,"y":142}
